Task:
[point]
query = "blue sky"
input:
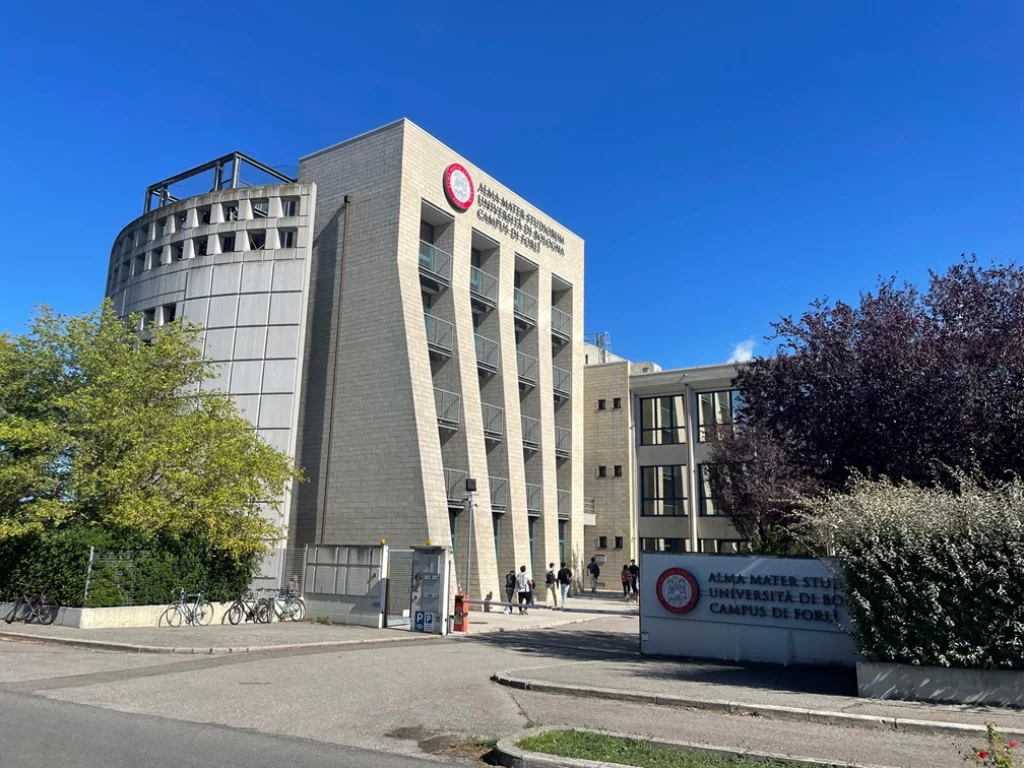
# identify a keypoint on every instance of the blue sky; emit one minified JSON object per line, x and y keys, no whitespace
{"x":725,"y":162}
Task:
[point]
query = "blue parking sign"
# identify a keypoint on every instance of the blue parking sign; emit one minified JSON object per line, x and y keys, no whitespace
{"x":418,"y":625}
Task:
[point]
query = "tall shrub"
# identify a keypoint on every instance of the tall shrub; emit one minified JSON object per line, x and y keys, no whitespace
{"x":933,"y":577}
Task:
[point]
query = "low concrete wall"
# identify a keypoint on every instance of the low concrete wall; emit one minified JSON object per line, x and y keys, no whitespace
{"x":121,"y":616}
{"x":944,"y":685}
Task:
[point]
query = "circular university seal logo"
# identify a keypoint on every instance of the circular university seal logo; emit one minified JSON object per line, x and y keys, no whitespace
{"x":458,"y":186}
{"x":677,"y":590}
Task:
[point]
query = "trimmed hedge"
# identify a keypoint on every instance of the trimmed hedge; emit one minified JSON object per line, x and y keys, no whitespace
{"x":128,"y":569}
{"x":933,"y":578}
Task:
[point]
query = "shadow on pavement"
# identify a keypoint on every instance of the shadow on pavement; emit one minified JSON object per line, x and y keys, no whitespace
{"x":832,"y":681}
{"x":575,"y":645}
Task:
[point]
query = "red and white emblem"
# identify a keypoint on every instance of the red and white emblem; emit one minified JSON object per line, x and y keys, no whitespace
{"x":677,"y":590}
{"x":459,"y":186}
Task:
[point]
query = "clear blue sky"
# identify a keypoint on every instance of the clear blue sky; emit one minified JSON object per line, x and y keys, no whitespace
{"x":725,"y":162}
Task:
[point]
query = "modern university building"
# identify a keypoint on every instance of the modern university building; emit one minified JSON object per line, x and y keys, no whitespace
{"x":398,"y":322}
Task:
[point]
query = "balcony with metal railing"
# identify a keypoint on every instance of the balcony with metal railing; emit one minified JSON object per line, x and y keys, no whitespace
{"x":435,"y":264}
{"x":440,"y":335}
{"x":561,"y":325}
{"x":499,"y":492}
{"x":531,"y":433}
{"x":589,"y":512}
{"x":524,"y":306}
{"x":534,"y":498}
{"x":561,"y":382}
{"x":564,"y":504}
{"x":483,"y":286}
{"x":488,"y":354}
{"x":494,"y":421}
{"x":527,"y":365}
{"x":563,"y":442}
{"x":449,"y":408}
{"x":455,"y":483}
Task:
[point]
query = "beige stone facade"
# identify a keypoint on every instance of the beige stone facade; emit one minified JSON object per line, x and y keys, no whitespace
{"x":442,"y":344}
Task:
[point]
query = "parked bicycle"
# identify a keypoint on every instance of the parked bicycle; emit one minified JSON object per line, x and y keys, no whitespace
{"x":288,"y":605}
{"x":187,"y":609}
{"x":247,"y":607}
{"x":33,"y":605}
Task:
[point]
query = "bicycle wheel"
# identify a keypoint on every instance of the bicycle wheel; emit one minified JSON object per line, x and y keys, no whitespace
{"x":46,"y":610}
{"x":17,"y":610}
{"x":203,"y":613}
{"x":298,"y":608}
{"x":264,"y":613}
{"x":235,"y":613}
{"x":172,"y":617}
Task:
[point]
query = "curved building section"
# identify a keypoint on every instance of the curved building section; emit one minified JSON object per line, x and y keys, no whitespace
{"x":236,"y":261}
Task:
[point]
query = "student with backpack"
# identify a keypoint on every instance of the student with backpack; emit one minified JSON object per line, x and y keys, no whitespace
{"x":510,"y":590}
{"x":564,"y":582}
{"x":594,"y":570}
{"x":626,"y":579}
{"x":551,"y":582}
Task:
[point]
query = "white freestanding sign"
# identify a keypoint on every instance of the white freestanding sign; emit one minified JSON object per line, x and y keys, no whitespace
{"x":779,"y":610}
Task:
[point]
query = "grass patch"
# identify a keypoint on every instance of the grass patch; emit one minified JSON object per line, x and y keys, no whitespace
{"x":612,"y":749}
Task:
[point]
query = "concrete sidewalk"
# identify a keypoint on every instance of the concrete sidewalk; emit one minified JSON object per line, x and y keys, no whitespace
{"x":579,"y":609}
{"x":827,"y":696}
{"x":217,"y":638}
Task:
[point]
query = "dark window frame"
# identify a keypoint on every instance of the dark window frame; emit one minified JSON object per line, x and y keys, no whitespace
{"x":726,"y":427}
{"x":672,"y":433}
{"x":616,"y":403}
{"x":602,"y":542}
{"x":601,"y":404}
{"x":658,"y":499}
{"x":602,"y":471}
{"x":617,"y":471}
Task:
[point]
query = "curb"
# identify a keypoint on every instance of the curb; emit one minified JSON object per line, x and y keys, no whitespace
{"x":509,"y":754}
{"x":104,"y":645}
{"x":908,"y":725}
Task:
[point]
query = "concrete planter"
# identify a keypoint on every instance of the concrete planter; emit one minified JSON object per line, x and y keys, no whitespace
{"x":944,"y":685}
{"x":105,"y":618}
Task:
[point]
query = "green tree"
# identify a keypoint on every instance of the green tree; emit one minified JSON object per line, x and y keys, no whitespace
{"x":101,"y":425}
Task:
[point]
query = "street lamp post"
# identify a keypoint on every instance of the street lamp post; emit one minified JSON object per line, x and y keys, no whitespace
{"x":470,"y":504}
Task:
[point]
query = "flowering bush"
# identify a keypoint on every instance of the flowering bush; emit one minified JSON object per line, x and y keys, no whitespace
{"x":999,"y":752}
{"x":933,"y":577}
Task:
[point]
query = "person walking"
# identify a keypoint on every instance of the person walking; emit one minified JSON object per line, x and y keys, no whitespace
{"x":523,"y":587}
{"x":510,"y":590}
{"x":634,"y":578}
{"x":594,"y":570}
{"x":564,"y":582}
{"x":551,"y":582}
{"x":626,"y":579}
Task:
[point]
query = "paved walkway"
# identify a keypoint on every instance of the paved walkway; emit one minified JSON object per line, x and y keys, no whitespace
{"x":248,"y":637}
{"x":790,"y":693}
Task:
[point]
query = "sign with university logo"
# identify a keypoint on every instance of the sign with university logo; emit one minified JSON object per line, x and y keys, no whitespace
{"x":737,"y":607}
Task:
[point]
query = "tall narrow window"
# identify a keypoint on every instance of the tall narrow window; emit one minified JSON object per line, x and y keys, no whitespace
{"x":707,"y":502}
{"x":289,"y":206}
{"x":532,"y":524}
{"x":497,"y":538}
{"x":618,"y":470}
{"x":600,"y":405}
{"x":602,"y":542}
{"x":561,"y":540}
{"x":287,"y":237}
{"x":602,"y":471}
{"x":616,"y":403}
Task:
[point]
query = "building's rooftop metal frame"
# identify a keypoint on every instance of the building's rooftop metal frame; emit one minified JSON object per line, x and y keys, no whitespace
{"x":161,"y":190}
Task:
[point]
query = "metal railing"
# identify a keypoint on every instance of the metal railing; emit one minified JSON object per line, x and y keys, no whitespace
{"x":564,"y":503}
{"x":561,"y":381}
{"x":494,"y":420}
{"x":455,"y":483}
{"x":527,"y":366}
{"x":563,"y":442}
{"x":590,"y":506}
{"x":449,"y":408}
{"x":499,"y":492}
{"x":488,"y":354}
{"x":483,"y":285}
{"x":561,"y":324}
{"x":435,"y":263}
{"x":534,"y":497}
{"x":524,"y":304}
{"x":440,"y":334}
{"x":531,"y":432}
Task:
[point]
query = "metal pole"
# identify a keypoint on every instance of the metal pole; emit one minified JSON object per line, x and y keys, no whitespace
{"x":469,"y":547}
{"x":88,"y":576}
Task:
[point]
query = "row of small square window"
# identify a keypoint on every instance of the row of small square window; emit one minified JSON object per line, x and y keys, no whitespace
{"x":616,"y":404}
{"x":257,"y":241}
{"x":602,"y":542}
{"x":207,"y":214}
{"x":602,"y":471}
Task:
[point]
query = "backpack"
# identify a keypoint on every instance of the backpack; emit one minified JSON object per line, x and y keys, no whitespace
{"x":549,"y":578}
{"x":510,"y":581}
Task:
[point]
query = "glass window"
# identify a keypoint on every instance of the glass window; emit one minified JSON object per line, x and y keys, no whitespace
{"x":602,"y":542}
{"x":453,"y":523}
{"x":617,"y":403}
{"x":532,"y":524}
{"x":618,"y":542}
{"x":618,"y":470}
{"x":289,"y":206}
{"x":561,"y":540}
{"x":716,"y":412}
{"x":600,"y":405}
{"x":602,"y":471}
{"x":661,"y":420}
{"x":663,"y":545}
{"x":708,"y":507}
{"x":663,"y":490}
{"x":497,"y":536}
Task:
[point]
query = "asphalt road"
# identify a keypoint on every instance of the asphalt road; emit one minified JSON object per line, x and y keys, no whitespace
{"x":41,"y":733}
